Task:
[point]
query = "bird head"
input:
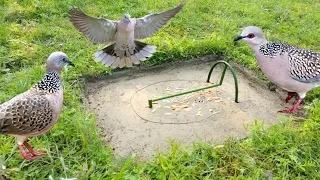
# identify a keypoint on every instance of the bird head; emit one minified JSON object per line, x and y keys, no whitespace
{"x":57,"y":60}
{"x":126,"y":18}
{"x":253,"y":35}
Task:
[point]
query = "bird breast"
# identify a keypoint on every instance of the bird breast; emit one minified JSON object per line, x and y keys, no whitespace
{"x":56,"y":101}
{"x":126,"y":30}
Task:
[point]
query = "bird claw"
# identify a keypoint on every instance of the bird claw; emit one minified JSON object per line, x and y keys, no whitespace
{"x":33,"y":155}
{"x":31,"y":158}
{"x":36,"y":153}
{"x":290,"y":110}
{"x":287,"y":110}
{"x":295,"y":107}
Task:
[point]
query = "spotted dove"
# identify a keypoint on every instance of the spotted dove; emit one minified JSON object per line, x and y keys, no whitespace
{"x":293,"y":69}
{"x":35,"y":111}
{"x":125,"y":50}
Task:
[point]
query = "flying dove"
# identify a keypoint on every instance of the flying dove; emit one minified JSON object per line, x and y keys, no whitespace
{"x":125,"y":50}
{"x":294,"y":69}
{"x":35,"y":111}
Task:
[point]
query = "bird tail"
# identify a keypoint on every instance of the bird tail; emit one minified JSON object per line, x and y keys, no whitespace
{"x":110,"y":56}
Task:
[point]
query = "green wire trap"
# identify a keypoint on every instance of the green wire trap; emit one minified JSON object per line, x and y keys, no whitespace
{"x":227,"y":65}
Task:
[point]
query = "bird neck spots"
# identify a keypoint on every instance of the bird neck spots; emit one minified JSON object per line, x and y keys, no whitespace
{"x":50,"y":82}
{"x":272,"y":49}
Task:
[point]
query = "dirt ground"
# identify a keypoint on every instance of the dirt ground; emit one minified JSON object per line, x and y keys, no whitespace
{"x":120,"y":102}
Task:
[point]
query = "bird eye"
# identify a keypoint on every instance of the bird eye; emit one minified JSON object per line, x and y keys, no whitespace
{"x":250,"y":35}
{"x":63,"y":59}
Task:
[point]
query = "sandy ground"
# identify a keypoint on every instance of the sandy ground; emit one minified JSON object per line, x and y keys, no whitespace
{"x":120,"y":102}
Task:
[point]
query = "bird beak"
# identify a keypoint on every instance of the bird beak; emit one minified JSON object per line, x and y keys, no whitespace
{"x":70,"y":63}
{"x":238,"y":38}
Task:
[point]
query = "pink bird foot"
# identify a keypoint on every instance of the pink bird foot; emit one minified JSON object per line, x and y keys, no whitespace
{"x":25,"y":155}
{"x":30,"y":151}
{"x":295,"y":106}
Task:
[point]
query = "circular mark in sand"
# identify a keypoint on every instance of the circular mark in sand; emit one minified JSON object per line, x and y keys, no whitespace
{"x":184,"y":109}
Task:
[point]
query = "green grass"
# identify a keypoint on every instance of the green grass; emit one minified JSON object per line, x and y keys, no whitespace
{"x":31,"y":30}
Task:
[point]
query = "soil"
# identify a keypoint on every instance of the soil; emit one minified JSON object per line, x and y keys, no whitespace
{"x":120,"y":102}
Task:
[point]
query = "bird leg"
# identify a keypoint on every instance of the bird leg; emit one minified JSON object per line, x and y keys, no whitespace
{"x":35,"y":153}
{"x":290,"y":95}
{"x":24,"y":153}
{"x":30,"y":151}
{"x":295,"y":106}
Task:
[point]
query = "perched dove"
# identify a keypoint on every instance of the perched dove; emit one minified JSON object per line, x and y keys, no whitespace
{"x":35,"y":111}
{"x":294,"y":69}
{"x":126,"y":50}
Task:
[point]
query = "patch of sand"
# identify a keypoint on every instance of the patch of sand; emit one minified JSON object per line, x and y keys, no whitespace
{"x":129,"y":126}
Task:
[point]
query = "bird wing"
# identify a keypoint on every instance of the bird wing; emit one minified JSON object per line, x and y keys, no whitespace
{"x":97,"y":30}
{"x":304,"y":65}
{"x":150,"y":24}
{"x":26,"y":116}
